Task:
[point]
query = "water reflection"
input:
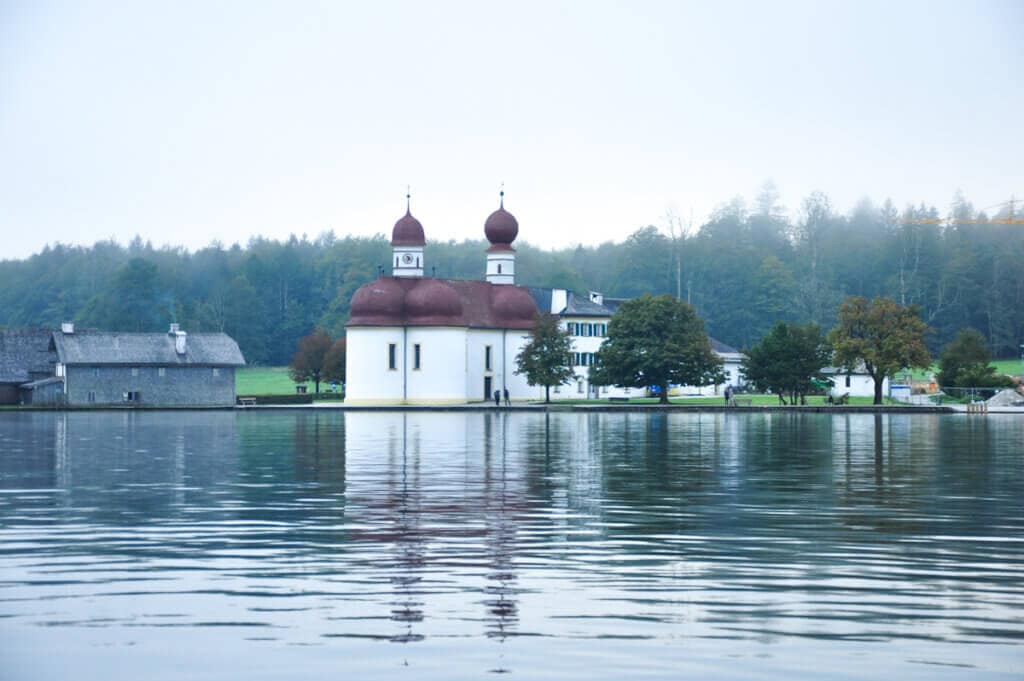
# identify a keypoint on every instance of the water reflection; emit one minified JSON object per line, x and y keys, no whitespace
{"x":492,"y":537}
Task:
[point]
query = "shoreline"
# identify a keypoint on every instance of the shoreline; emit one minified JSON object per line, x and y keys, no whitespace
{"x":545,"y":408}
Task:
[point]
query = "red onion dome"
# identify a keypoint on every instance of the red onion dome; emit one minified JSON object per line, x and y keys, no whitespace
{"x":379,"y":302}
{"x":501,"y":227}
{"x":433,"y":301}
{"x":408,"y":232}
{"x":513,"y":304}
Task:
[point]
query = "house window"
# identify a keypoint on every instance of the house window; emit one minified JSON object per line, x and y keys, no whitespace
{"x":95,"y":371}
{"x":416,"y":356}
{"x":604,"y":390}
{"x":132,"y":396}
{"x":558,"y":388}
{"x":487,"y":358}
{"x":392,"y":348}
{"x":847,"y":380}
{"x":135,"y":371}
{"x":162,"y":371}
{"x":92,"y":397}
{"x":216,"y":371}
{"x":579,"y":387}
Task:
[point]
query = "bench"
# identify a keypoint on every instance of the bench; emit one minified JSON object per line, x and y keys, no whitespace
{"x":618,"y":399}
{"x":741,"y":402}
{"x":247,"y":401}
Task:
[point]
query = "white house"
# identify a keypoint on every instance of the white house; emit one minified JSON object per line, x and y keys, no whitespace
{"x":587,"y":318}
{"x":856,"y":383}
{"x":422,"y":340}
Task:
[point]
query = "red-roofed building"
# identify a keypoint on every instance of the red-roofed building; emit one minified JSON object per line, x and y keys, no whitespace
{"x":422,"y":340}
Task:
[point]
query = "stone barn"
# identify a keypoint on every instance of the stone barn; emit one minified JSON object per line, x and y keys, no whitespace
{"x":172,"y":369}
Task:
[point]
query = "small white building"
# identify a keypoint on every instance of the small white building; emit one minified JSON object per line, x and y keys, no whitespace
{"x":856,"y":383}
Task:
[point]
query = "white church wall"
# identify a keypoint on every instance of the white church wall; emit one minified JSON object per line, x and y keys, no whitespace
{"x":368,"y":378}
{"x":440,"y":378}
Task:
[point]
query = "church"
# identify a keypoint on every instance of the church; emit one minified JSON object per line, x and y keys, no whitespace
{"x":423,"y":340}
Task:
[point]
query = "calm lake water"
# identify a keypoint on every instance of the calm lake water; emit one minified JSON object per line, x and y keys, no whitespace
{"x":315,"y":545}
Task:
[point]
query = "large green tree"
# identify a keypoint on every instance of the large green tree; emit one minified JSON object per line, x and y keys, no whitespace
{"x":882,"y":336}
{"x":656,"y":341}
{"x":334,"y":362}
{"x":965,"y":363}
{"x":787,"y":360}
{"x":546,"y":358}
{"x":308,"y":362}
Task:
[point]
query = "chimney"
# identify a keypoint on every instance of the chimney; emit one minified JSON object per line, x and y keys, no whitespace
{"x":180,"y":345}
{"x":67,"y":328}
{"x":173,"y":331}
{"x":597,"y":298}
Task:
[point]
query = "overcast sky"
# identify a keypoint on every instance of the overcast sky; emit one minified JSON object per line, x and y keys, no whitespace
{"x":192,"y":122}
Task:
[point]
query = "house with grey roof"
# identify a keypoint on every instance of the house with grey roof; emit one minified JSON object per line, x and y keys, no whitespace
{"x":110,"y":368}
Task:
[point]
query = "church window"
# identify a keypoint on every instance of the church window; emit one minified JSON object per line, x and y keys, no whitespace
{"x":499,"y":268}
{"x":847,"y":380}
{"x":487,"y":358}
{"x":392,"y":348}
{"x":416,"y":356}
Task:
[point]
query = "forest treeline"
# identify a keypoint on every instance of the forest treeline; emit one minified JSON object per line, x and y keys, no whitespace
{"x":744,"y":269}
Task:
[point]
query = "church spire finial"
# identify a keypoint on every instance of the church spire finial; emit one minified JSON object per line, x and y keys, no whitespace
{"x":408,"y":196}
{"x":501,"y":194}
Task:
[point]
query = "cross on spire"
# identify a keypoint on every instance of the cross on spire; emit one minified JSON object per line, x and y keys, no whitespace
{"x":502,"y":195}
{"x":408,"y":195}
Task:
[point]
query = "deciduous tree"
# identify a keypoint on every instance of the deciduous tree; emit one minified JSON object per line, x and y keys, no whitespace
{"x":546,"y":358}
{"x":965,"y":363}
{"x":787,"y":360}
{"x":656,"y":341}
{"x":308,"y":362}
{"x":334,"y":362}
{"x":882,"y":336}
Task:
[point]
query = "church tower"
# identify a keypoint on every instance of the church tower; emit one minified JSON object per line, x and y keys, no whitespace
{"x":501,"y":229}
{"x":407,"y":242}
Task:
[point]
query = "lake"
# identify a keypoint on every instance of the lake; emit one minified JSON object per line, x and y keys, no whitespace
{"x":455,"y":545}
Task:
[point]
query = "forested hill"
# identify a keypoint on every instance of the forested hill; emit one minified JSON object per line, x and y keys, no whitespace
{"x":742,"y":270}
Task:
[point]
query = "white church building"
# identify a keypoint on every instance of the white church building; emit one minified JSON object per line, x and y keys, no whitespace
{"x":422,"y":340}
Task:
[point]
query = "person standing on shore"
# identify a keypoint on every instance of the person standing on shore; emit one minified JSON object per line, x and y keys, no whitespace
{"x":728,"y":394}
{"x":497,"y":398}
{"x":508,"y":402}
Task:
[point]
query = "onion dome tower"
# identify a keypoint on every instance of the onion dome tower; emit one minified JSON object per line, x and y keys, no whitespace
{"x":501,"y":229}
{"x":407,"y":242}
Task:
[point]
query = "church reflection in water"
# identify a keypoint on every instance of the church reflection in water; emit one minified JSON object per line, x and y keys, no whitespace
{"x":441,"y":517}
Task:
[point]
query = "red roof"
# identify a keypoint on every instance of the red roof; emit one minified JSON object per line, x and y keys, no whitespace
{"x":425,"y":301}
{"x":408,"y":232}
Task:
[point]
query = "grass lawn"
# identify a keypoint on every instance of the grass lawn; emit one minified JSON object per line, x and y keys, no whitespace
{"x":269,"y":381}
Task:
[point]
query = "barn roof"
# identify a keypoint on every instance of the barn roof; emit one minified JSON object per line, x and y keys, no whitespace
{"x":113,"y":347}
{"x":24,"y":352}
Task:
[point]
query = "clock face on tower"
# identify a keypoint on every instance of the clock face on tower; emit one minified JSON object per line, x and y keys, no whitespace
{"x":407,"y":258}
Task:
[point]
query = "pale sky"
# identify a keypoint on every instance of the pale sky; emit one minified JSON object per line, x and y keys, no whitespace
{"x":188,"y":122}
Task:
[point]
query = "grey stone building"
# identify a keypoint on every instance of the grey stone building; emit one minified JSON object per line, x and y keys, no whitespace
{"x":26,"y":356}
{"x":108,"y":368}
